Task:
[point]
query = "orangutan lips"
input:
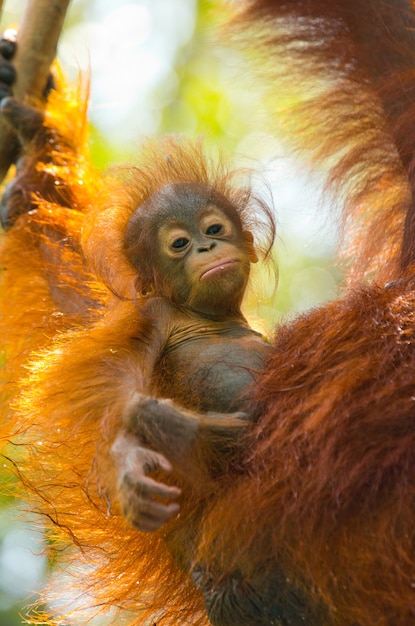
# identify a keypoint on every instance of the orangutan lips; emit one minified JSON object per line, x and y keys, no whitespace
{"x":219,"y":267}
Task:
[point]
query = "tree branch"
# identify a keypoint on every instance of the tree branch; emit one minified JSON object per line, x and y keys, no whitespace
{"x":37,"y":41}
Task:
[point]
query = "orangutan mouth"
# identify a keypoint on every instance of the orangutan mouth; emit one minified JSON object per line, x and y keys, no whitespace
{"x":220,"y":266}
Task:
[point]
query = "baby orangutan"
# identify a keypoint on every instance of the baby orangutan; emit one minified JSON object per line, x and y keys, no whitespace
{"x":193,"y":259}
{"x":193,"y":256}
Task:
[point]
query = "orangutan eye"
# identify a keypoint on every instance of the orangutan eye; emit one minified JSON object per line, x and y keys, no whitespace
{"x":180,"y":243}
{"x":214,"y":229}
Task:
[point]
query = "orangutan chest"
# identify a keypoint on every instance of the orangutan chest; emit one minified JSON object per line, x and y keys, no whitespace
{"x":210,"y":375}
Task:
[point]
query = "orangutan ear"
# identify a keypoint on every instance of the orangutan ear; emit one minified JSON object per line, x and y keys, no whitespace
{"x":144,"y":287}
{"x":249,"y":241}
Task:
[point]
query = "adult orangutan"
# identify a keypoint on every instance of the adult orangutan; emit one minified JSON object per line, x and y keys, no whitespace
{"x":307,"y":516}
